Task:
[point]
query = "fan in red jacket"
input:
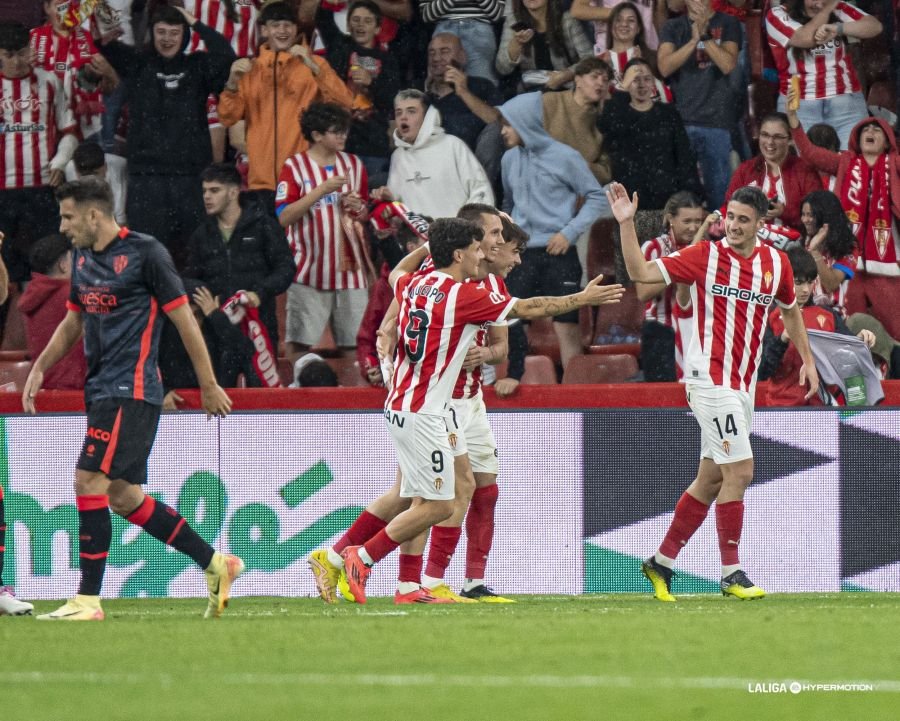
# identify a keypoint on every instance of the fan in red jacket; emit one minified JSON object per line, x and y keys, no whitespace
{"x":43,"y":305}
{"x":782,"y":176}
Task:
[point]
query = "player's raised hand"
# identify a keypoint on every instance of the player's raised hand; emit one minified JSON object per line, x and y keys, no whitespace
{"x":215,"y":401}
{"x":622,"y":206}
{"x":809,"y":375}
{"x":597,"y":294}
{"x":32,"y":386}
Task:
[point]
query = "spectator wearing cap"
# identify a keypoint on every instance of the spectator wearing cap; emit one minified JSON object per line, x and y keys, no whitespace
{"x":43,"y":307}
{"x":168,"y":136}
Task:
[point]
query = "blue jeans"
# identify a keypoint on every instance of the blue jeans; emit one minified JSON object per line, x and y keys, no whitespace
{"x":841,"y":112}
{"x":114,"y":103}
{"x":479,"y":42}
{"x":712,"y":147}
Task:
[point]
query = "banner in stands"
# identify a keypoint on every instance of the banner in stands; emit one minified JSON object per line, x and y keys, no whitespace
{"x":584,"y":497}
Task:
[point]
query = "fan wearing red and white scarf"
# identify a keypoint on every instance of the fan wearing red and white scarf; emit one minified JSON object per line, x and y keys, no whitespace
{"x":865,"y":197}
{"x":242,"y":313}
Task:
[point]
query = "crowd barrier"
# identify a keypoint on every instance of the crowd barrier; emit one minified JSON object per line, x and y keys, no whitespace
{"x":586,"y":493}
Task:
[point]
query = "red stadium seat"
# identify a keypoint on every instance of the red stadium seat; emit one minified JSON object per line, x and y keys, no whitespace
{"x":586,"y":369}
{"x":14,"y":355}
{"x":539,"y":370}
{"x":13,"y":375}
{"x":616,"y":349}
{"x":348,"y":374}
{"x":628,"y":314}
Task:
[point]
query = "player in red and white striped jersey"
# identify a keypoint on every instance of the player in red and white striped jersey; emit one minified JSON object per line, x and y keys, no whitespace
{"x":439,"y":316}
{"x":683,"y":216}
{"x":734,"y":283}
{"x":808,"y":41}
{"x":319,"y":202}
{"x":70,"y":53}
{"x":36,"y":142}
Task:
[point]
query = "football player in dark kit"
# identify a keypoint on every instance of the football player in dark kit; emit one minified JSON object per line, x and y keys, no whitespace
{"x":121,"y":282}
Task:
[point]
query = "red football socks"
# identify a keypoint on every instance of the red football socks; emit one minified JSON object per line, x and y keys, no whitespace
{"x":729,"y":522}
{"x":689,"y":515}
{"x":363,"y":528}
{"x":480,"y":529}
{"x":444,"y":540}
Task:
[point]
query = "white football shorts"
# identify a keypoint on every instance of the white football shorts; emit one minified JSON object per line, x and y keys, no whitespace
{"x":725,"y":416}
{"x":468,"y":419}
{"x":422,"y":442}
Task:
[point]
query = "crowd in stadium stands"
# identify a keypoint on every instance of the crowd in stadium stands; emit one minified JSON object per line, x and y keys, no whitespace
{"x":289,"y":153}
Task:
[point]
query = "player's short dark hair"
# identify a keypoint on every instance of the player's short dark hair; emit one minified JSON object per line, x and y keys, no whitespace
{"x":368,"y":5}
{"x":590,"y":64}
{"x":88,"y":158}
{"x":803,"y":264}
{"x":317,"y":374}
{"x":754,"y":197}
{"x":47,"y":251}
{"x":513,"y":233}
{"x":825,"y":136}
{"x":322,"y":117}
{"x":224,"y":173}
{"x":90,"y":190}
{"x":447,"y":235}
{"x":276,"y":12}
{"x":474,"y":211}
{"x":13,"y":37}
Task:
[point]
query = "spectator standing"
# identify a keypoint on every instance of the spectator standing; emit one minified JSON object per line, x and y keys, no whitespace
{"x":473,"y":23}
{"x":784,"y":177}
{"x":809,"y":41}
{"x":551,"y":193}
{"x":825,"y":136}
{"x":653,"y":15}
{"x":647,"y":143}
{"x":271,"y":91}
{"x":37,"y":143}
{"x":43,"y":306}
{"x":71,"y":54}
{"x":867,"y":182}
{"x":320,"y":200}
{"x":239,"y":248}
{"x":628,"y":39}
{"x":168,"y":136}
{"x":431,"y":172}
{"x":372,"y":75}
{"x":539,"y":36}
{"x":697,"y":52}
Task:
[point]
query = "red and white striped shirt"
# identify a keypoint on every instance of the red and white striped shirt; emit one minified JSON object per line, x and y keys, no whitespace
{"x":34,"y":113}
{"x":838,"y":298}
{"x":65,"y":56}
{"x":468,"y":385}
{"x":214,"y":13}
{"x":439,"y":318}
{"x":825,"y":70}
{"x":662,"y":93}
{"x":731,"y":296}
{"x":663,"y":308}
{"x":327,"y":246}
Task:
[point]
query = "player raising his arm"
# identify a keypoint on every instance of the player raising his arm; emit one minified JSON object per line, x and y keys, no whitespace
{"x":733,"y":284}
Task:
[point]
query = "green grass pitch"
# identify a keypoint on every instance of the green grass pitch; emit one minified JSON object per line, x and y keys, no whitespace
{"x":546,"y":658}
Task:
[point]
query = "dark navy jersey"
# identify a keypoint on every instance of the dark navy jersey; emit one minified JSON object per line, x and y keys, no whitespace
{"x":121,"y":292}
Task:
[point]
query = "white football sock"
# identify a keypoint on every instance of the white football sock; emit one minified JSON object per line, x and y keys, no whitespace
{"x":664,"y":560}
{"x":431,"y":582}
{"x":406,"y":586}
{"x":335,"y":558}
{"x":728,"y":570}
{"x":471,"y":583}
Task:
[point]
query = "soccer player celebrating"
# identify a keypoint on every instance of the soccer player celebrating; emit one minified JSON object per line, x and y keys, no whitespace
{"x":120,"y":282}
{"x":733,"y":284}
{"x":439,"y":317}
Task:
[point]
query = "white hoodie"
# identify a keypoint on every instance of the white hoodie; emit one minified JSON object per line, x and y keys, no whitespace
{"x":437,"y":174}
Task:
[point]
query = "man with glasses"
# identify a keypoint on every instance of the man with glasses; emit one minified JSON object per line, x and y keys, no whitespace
{"x":320,"y":201}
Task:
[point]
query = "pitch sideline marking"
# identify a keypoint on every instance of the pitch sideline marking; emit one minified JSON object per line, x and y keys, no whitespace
{"x":398,"y":680}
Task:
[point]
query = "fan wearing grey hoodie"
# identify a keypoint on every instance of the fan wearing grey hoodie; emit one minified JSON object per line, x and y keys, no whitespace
{"x":543,"y":183}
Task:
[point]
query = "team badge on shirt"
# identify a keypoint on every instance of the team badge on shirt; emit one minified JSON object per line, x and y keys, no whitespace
{"x":767,"y":279}
{"x":120,"y":262}
{"x":726,"y":446}
{"x":438,"y":483}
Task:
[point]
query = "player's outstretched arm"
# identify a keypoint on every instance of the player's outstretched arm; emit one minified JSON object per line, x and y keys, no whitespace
{"x":796,"y":330}
{"x":409,"y":263}
{"x":639,"y":269}
{"x":541,"y":306}
{"x":214,"y":400}
{"x":67,"y":333}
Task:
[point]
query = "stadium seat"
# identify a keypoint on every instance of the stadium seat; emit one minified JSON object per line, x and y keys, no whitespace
{"x":14,"y":355}
{"x":616,"y":349}
{"x":627,"y":314}
{"x":13,"y":375}
{"x":586,"y":369}
{"x":539,"y":370}
{"x":601,"y":252}
{"x":542,"y":339}
{"x":14,"y":331}
{"x":348,"y":374}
